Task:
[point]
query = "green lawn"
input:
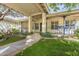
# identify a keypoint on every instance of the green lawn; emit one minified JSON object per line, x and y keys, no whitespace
{"x":48,"y":47}
{"x":11,"y":40}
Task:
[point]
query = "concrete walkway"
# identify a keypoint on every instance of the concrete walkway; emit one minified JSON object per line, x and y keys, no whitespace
{"x":72,"y":39}
{"x":13,"y":48}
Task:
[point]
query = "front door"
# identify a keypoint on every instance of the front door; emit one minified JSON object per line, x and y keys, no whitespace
{"x":40,"y":27}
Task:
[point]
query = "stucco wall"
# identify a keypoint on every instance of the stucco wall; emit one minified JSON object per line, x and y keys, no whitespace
{"x":59,"y":19}
{"x":25,"y":24}
{"x":53,"y":19}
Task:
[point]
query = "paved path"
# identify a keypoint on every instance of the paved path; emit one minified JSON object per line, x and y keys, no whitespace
{"x":13,"y":48}
{"x":72,"y":39}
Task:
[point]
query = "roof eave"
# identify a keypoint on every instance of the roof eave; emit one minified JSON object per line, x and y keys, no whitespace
{"x":63,"y":13}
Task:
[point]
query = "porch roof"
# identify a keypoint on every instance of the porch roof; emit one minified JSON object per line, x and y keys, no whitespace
{"x":28,"y":8}
{"x":66,"y":13}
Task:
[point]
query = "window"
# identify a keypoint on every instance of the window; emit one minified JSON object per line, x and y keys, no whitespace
{"x":54,"y":25}
{"x":67,"y":23}
{"x":70,"y":24}
{"x":36,"y":26}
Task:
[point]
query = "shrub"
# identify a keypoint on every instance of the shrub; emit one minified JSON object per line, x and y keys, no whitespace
{"x":24,"y":34}
{"x":1,"y":36}
{"x":47,"y":34}
{"x":77,"y":33}
{"x":29,"y":33}
{"x":14,"y":31}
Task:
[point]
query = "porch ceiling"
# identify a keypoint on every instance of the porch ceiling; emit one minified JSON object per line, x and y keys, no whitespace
{"x":27,"y":8}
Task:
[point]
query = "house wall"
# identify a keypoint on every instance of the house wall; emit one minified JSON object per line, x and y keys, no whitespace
{"x":49,"y":20}
{"x":25,"y":24}
{"x":33,"y":24}
{"x":59,"y":19}
{"x":53,"y":19}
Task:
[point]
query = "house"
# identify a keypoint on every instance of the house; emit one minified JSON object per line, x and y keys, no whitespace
{"x":39,"y":20}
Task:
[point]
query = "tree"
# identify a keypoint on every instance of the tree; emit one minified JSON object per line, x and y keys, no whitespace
{"x":68,"y":6}
{"x":2,"y":15}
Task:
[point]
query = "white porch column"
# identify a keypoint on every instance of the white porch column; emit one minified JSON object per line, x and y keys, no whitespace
{"x":29,"y":24}
{"x":43,"y":22}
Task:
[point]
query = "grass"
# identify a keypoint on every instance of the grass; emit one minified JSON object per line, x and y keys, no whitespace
{"x":11,"y":40}
{"x":52,"y":47}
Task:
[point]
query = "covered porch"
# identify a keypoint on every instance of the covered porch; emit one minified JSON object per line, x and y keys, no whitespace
{"x":40,"y":21}
{"x":55,"y":24}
